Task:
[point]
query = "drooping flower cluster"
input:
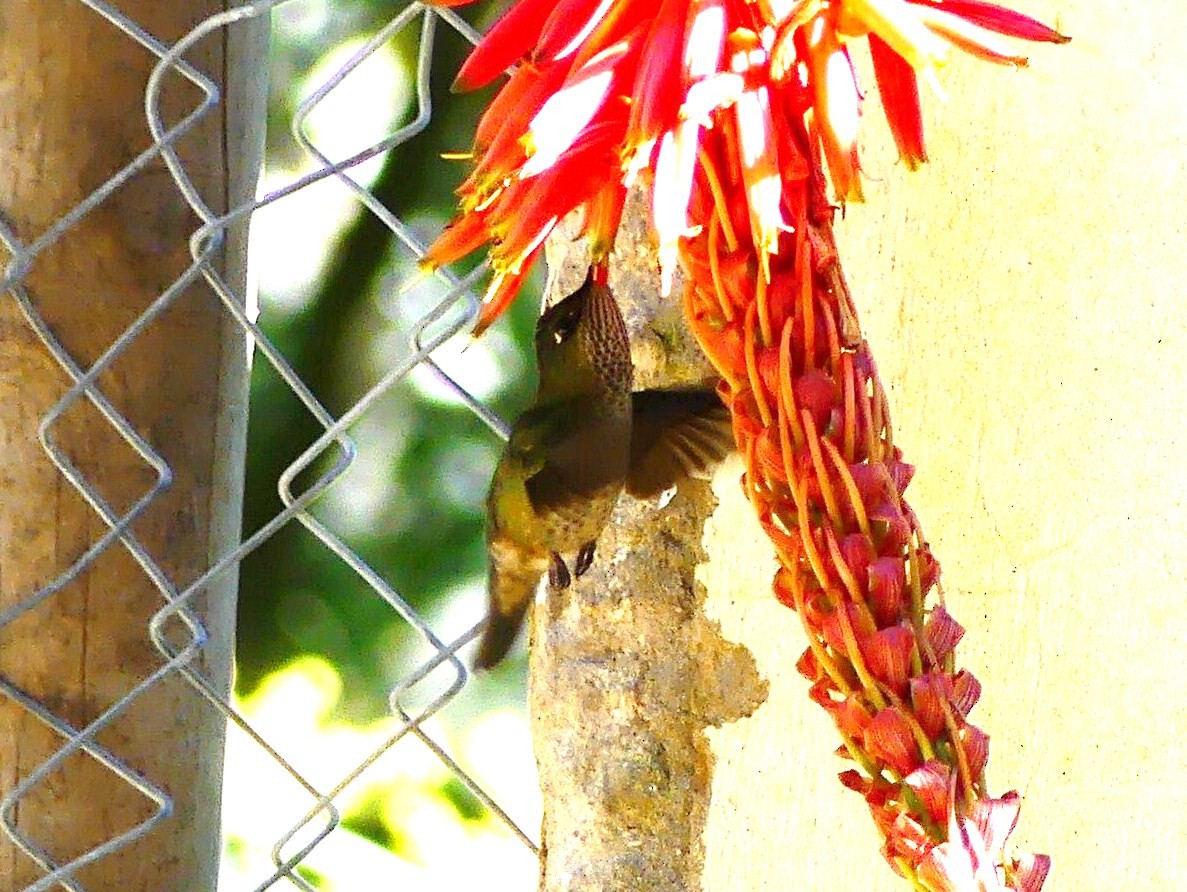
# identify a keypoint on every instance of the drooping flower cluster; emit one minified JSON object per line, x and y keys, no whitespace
{"x":731,"y":111}
{"x":828,"y":484}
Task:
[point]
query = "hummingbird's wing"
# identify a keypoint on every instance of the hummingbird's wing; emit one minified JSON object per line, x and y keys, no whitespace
{"x":546,"y":448}
{"x":675,"y":433}
{"x":536,"y":434}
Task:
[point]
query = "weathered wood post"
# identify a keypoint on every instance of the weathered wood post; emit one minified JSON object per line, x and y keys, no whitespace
{"x":72,"y":89}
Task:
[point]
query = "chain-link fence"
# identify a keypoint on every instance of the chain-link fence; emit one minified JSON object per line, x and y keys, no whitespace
{"x":434,"y":675}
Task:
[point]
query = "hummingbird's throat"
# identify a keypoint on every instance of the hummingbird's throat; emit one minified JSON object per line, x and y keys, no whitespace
{"x":607,"y":343}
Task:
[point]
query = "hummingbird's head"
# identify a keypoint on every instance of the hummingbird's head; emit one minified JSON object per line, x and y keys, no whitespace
{"x":582,"y":344}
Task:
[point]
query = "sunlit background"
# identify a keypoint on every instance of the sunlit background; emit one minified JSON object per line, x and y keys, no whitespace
{"x":318,"y":650}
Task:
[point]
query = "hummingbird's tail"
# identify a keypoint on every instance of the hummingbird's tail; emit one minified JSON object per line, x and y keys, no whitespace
{"x":513,"y":584}
{"x":498,"y":636}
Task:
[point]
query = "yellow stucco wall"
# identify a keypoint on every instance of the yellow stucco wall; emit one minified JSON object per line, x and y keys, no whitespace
{"x":1024,"y":296}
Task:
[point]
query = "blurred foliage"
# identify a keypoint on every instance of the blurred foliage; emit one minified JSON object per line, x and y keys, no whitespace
{"x":367,"y":820}
{"x":296,"y":597}
{"x":467,"y":805}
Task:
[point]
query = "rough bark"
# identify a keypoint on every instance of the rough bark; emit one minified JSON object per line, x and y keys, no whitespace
{"x":71,"y":115}
{"x":626,"y":673}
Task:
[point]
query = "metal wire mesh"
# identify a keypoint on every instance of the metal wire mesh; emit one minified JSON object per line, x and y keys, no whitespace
{"x":442,"y":674}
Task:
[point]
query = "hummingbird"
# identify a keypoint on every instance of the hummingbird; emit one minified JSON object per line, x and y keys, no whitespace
{"x":585,"y":438}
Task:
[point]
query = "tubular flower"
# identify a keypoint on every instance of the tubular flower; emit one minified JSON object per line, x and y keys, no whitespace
{"x":731,"y":112}
{"x":828,"y":483}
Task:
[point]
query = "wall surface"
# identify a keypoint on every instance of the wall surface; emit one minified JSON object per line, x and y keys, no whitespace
{"x":1023,"y":294}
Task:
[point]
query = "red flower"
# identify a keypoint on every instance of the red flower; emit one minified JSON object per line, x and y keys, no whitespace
{"x":609,"y":89}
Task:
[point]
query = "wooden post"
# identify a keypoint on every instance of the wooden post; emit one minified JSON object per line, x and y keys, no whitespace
{"x":71,"y":115}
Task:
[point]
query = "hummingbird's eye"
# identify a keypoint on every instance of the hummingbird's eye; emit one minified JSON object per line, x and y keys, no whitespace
{"x":564,"y":329}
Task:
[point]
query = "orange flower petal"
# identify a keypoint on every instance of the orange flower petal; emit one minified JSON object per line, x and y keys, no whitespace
{"x":888,"y":656}
{"x":975,"y":744}
{"x":502,"y":291}
{"x":929,"y":693}
{"x":508,"y":41}
{"x":943,"y":632}
{"x":761,"y":173}
{"x":836,"y":108}
{"x":674,"y":169}
{"x":966,"y":691}
{"x":1003,"y":20}
{"x":620,"y":20}
{"x":527,"y":89}
{"x":571,"y":108}
{"x":602,"y":216}
{"x":887,"y":586}
{"x":506,"y":149}
{"x":931,"y":783}
{"x":888,"y":738}
{"x":896,"y":22}
{"x":465,"y":234}
{"x":569,"y":26}
{"x":657,"y":90}
{"x":899,"y":92}
{"x":972,"y":38}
